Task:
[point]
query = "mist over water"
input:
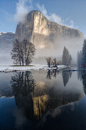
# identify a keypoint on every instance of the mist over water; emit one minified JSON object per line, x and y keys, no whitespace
{"x":5,"y":56}
{"x":72,"y":44}
{"x":42,"y":100}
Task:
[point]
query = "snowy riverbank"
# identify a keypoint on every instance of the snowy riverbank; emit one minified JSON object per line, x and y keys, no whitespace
{"x":8,"y":68}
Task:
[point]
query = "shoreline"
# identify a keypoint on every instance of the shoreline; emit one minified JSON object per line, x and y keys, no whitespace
{"x":10,"y":68}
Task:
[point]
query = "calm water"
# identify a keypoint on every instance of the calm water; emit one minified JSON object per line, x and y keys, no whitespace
{"x":43,"y":100}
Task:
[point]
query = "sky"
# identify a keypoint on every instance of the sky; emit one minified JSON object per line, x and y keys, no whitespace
{"x":71,"y":13}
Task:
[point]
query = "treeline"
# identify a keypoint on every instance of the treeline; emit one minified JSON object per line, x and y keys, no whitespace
{"x":42,"y":60}
{"x":81,"y":56}
{"x":23,"y":52}
{"x":66,"y":59}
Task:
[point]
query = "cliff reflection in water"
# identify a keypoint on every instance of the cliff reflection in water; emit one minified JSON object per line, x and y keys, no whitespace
{"x":36,"y":94}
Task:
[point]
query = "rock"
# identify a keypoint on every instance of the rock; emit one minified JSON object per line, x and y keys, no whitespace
{"x":42,"y":32}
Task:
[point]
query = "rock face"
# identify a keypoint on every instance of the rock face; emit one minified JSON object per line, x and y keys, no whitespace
{"x":48,"y":37}
{"x":6,"y":44}
{"x":44,"y":33}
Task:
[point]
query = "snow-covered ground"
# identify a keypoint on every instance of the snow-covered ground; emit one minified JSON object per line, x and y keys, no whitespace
{"x":7,"y":68}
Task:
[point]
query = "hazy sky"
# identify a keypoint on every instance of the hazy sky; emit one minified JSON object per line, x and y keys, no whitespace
{"x":71,"y":13}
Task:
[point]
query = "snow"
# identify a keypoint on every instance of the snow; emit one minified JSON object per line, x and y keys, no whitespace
{"x":6,"y":33}
{"x":2,"y":33}
{"x":10,"y":32}
{"x":61,"y":66}
{"x":8,"y":68}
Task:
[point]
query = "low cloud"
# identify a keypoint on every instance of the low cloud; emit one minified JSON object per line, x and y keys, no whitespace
{"x":55,"y":18}
{"x":22,"y":9}
{"x":52,"y":17}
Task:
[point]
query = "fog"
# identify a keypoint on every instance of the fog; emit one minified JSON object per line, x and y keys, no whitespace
{"x":54,"y":50}
{"x":22,"y":9}
{"x":5,"y":58}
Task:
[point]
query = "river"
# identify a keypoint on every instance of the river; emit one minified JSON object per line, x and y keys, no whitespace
{"x":42,"y":100}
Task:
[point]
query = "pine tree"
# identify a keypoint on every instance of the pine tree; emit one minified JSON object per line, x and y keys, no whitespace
{"x":84,"y":52}
{"x":79,"y":58}
{"x":66,"y":57}
{"x":70,"y":59}
{"x":48,"y":59}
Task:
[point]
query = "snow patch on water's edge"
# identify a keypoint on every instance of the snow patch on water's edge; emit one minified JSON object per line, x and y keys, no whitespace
{"x":8,"y":68}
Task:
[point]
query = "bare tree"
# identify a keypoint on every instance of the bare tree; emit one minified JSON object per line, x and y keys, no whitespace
{"x":48,"y":59}
{"x":51,"y":62}
{"x":16,"y":56}
{"x":28,"y":51}
{"x":55,"y":63}
{"x":23,"y":52}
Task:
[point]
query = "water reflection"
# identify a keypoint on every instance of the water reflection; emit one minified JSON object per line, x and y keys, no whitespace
{"x":67,"y":117}
{"x":66,"y":75}
{"x":52,"y":73}
{"x":84,"y":80}
{"x":82,"y":77}
{"x":79,"y":74}
{"x":23,"y":85}
{"x":37,"y":96}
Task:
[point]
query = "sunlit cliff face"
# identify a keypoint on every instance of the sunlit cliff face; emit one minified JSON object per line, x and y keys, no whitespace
{"x":48,"y":37}
{"x":42,"y":46}
{"x":41,"y":84}
{"x":40,"y":25}
{"x":39,"y":105}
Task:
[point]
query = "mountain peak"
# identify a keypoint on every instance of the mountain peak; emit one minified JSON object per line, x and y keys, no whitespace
{"x":35,"y":11}
{"x":44,"y":33}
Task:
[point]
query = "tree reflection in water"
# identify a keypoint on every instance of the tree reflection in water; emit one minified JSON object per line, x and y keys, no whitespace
{"x":66,"y":75}
{"x":52,"y":73}
{"x":23,"y":85}
{"x":32,"y":102}
{"x":81,"y":74}
{"x":84,"y":80}
{"x":35,"y":98}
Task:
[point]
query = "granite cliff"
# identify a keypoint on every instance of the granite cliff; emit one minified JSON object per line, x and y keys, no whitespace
{"x":49,"y":37}
{"x":44,"y":33}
